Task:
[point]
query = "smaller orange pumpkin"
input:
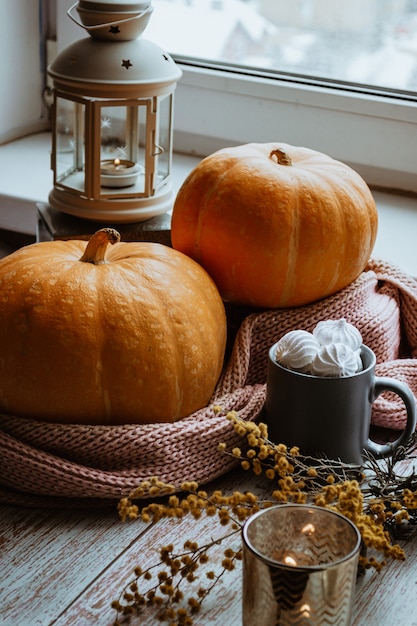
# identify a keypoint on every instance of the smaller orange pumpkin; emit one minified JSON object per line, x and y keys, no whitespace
{"x":132,"y":334}
{"x":275,"y":225}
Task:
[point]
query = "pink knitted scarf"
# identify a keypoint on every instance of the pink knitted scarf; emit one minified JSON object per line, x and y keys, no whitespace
{"x":46,"y":464}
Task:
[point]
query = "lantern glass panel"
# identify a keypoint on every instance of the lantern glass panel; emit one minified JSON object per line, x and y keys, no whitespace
{"x":69,"y":138}
{"x":123,"y":140}
{"x":163,"y":143}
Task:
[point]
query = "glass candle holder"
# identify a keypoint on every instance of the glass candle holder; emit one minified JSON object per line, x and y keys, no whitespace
{"x":299,"y":567}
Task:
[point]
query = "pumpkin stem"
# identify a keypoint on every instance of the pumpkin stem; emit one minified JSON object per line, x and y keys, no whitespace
{"x":97,"y":245}
{"x":281,"y":157}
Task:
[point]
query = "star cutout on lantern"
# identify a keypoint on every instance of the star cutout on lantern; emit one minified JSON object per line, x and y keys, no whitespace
{"x":105,"y":122}
{"x":121,"y":151}
{"x":126,"y":63}
{"x":114,"y":30}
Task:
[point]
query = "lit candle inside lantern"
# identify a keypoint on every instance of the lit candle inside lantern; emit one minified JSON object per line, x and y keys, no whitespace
{"x":118,"y":173}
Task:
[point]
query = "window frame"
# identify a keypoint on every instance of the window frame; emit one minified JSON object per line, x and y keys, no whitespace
{"x":23,"y":110}
{"x":375,"y":133}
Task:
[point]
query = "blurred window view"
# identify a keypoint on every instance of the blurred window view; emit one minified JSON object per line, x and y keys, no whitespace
{"x":369,"y":43}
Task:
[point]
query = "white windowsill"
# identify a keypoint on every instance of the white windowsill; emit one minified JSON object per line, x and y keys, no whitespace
{"x":26,"y":174}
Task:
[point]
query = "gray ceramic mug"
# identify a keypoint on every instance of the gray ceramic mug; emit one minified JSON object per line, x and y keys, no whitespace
{"x":331,"y":417}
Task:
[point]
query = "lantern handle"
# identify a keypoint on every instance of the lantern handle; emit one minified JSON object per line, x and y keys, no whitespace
{"x":95,"y":26}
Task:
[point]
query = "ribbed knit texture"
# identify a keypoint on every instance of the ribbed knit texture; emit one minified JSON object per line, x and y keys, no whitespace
{"x":45,"y":464}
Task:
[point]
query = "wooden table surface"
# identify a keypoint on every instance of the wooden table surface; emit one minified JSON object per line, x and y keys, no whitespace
{"x":64,"y":567}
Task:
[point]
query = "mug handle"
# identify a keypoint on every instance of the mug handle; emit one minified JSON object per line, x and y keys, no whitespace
{"x":401,"y":389}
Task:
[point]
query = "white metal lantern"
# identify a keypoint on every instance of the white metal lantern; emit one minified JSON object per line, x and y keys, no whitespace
{"x":112,"y":117}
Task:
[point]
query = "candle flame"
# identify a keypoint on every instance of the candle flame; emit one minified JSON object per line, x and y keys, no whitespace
{"x":289,"y":560}
{"x":308,"y":528}
{"x":305,"y":610}
{"x":116,"y":162}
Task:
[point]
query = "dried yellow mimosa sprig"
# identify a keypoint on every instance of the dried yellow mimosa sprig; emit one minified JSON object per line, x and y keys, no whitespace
{"x":165,"y":589}
{"x":324,"y":483}
{"x":293,"y":478}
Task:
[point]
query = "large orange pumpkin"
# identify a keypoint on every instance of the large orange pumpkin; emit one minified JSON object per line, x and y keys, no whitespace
{"x":275,"y":225}
{"x":129,"y":335}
